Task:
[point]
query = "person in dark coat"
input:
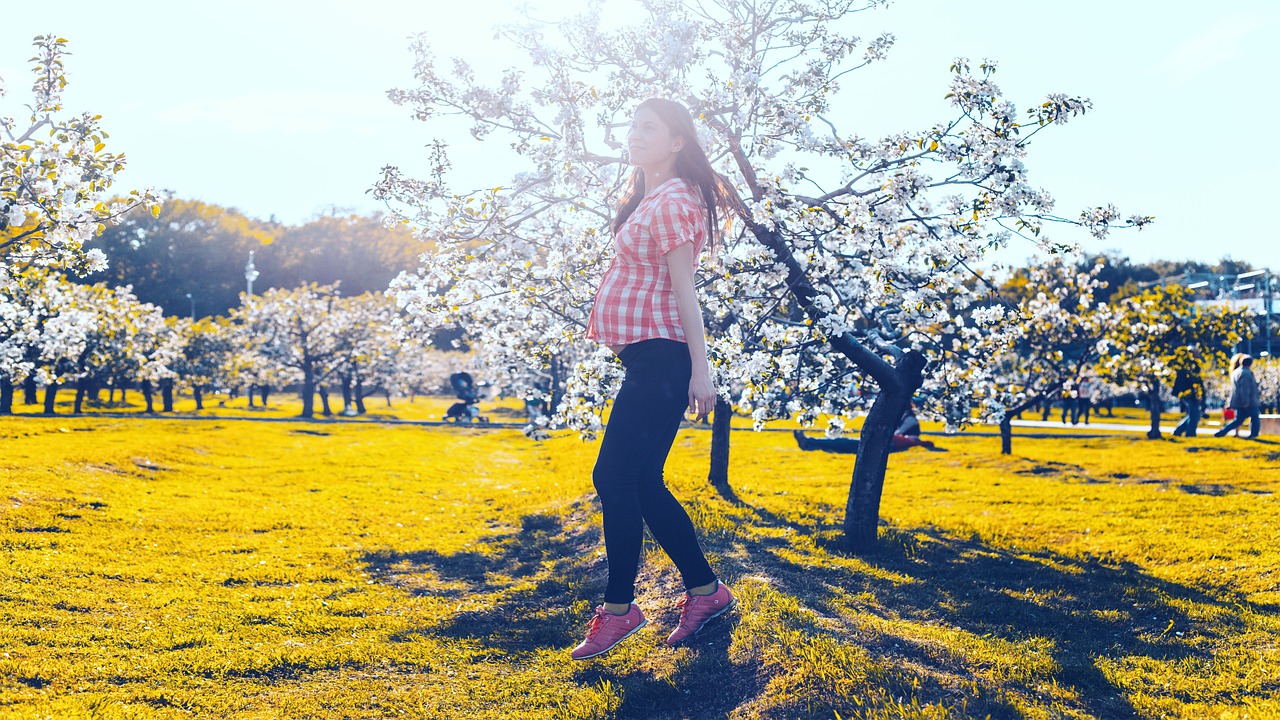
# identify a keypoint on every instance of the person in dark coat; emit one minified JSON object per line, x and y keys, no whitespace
{"x":1189,"y":388}
{"x":1244,"y":399}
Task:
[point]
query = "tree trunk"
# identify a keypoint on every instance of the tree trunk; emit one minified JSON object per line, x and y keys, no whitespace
{"x":1006,"y":435}
{"x":1153,"y":403}
{"x":166,"y":394}
{"x":323,"y":391}
{"x":29,"y":396}
{"x":360,"y":396}
{"x":82,"y":389}
{"x":387,"y":394}
{"x":308,"y":393}
{"x":251,"y":394}
{"x":719,"y":474}
{"x":264,"y":391}
{"x":50,"y":392}
{"x":862,"y":514}
{"x":6,"y":396}
{"x":147,"y":395}
{"x":198,"y":391}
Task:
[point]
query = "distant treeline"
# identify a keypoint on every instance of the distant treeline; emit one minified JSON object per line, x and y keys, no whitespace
{"x":201,"y":249}
{"x":1125,"y":279}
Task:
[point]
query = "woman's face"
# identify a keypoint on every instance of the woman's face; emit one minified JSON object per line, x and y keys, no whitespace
{"x":650,"y":142}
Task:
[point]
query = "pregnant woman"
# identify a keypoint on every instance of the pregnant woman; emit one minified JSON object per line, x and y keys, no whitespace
{"x":647,"y":312}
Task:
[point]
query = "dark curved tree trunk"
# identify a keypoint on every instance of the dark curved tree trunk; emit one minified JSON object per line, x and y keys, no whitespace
{"x":147,"y":395}
{"x":308,"y":392}
{"x":1153,"y":404}
{"x":896,"y":382}
{"x":263,"y":392}
{"x":198,"y":392}
{"x":82,"y":390}
{"x":166,"y":394}
{"x":6,"y":396}
{"x":29,"y":396}
{"x":50,"y":393}
{"x":719,"y":474}
{"x":323,"y":391}
{"x":1006,"y":435}
{"x":862,"y":513}
{"x":359,"y":396}
{"x":251,"y":394}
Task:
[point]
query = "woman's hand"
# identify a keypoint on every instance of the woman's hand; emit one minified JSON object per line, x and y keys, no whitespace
{"x":702,"y":397}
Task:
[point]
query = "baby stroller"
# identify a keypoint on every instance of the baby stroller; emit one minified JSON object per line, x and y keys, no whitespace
{"x":465,"y":410}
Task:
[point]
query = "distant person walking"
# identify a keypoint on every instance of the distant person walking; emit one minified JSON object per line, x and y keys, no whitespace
{"x":1070,"y":394}
{"x":1244,"y":399}
{"x":646,"y":311}
{"x":1086,"y":388}
{"x":1188,"y":387}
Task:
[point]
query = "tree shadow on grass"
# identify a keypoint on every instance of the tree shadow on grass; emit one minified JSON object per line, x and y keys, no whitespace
{"x":921,"y":586}
{"x":1087,"y":609}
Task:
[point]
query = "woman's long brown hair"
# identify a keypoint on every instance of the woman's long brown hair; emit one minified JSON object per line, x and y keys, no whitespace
{"x":693,"y":166}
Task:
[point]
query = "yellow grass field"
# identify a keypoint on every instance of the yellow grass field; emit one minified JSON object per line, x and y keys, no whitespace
{"x":219,"y":567}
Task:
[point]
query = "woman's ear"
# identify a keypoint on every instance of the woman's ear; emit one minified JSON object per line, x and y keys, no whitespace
{"x":678,"y":144}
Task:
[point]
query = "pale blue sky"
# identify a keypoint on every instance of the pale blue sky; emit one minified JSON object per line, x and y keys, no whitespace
{"x":279,"y":108}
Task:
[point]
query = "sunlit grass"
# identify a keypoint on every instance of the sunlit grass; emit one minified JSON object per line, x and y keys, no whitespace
{"x":169,"y":568}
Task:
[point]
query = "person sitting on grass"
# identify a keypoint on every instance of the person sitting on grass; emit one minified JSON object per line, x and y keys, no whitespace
{"x":646,"y":311}
{"x":905,"y":437}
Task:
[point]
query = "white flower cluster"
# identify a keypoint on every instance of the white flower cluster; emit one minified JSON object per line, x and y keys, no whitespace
{"x":56,"y":176}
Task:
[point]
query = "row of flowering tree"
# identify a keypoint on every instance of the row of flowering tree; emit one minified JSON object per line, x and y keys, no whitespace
{"x":55,"y":333}
{"x":850,"y":285}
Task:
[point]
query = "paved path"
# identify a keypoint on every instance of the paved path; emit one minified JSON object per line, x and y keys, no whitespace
{"x":1095,"y":427}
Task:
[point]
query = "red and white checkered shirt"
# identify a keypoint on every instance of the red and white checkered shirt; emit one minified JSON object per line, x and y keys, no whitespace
{"x":636,"y":300}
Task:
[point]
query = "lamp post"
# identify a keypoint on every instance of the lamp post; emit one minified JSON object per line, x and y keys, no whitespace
{"x":250,"y":274}
{"x":193,"y":307}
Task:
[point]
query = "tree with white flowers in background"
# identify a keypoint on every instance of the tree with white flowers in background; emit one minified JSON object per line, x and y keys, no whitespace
{"x":849,"y":287}
{"x":129,"y":344}
{"x":295,"y":333}
{"x":1060,"y":335}
{"x":206,"y":356}
{"x":44,"y":327}
{"x":1161,"y":332}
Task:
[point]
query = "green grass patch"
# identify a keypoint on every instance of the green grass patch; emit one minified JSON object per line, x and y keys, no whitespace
{"x":168,"y":568}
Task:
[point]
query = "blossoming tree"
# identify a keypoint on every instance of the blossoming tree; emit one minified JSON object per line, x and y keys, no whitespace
{"x":1060,"y":334}
{"x":56,"y":175}
{"x":850,"y":280}
{"x":1160,"y":332}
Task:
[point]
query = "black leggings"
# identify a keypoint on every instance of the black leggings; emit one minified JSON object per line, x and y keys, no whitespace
{"x":628,"y":474}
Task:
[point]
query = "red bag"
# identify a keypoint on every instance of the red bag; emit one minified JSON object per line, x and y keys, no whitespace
{"x":1228,"y":414}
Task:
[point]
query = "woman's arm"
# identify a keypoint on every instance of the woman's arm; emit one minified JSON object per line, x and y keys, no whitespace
{"x":702,"y":394}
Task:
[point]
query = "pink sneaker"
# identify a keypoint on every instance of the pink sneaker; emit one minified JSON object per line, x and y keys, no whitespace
{"x":697,"y":610}
{"x":607,"y":630}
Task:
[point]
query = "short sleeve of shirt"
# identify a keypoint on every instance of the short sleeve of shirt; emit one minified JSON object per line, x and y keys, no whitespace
{"x":675,"y":223}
